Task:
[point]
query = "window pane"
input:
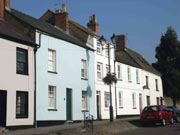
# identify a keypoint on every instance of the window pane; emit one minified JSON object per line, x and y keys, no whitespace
{"x":21,"y":61}
{"x":51,"y":60}
{"x":52,"y":97}
{"x":83,"y":69}
{"x":21,"y":104}
{"x":84,"y":100}
{"x":107,"y":99}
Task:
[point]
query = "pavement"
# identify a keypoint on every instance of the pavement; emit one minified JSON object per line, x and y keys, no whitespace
{"x":103,"y":127}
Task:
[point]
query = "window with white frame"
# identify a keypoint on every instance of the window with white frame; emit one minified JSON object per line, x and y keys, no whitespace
{"x":84,"y":100}
{"x":120,"y":99}
{"x":147,"y":82}
{"x":99,"y":48}
{"x":106,"y":51}
{"x":83,"y":69}
{"x":137,"y":76}
{"x":51,"y":60}
{"x":107,"y":99}
{"x":107,"y":68}
{"x":119,"y":71}
{"x":148,"y":100}
{"x":99,"y":71}
{"x":129,"y":74}
{"x":134,"y":100}
{"x":156,"y":81}
{"x":158,"y":101}
{"x":51,"y":97}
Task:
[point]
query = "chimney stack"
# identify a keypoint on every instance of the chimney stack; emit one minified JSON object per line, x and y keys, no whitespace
{"x":1,"y":8}
{"x":93,"y":24}
{"x":62,"y":18}
{"x":120,"y":42}
{"x":4,"y":4}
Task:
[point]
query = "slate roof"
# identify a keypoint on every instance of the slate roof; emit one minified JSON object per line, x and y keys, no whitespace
{"x":45,"y":27}
{"x":130,"y":57}
{"x":10,"y":32}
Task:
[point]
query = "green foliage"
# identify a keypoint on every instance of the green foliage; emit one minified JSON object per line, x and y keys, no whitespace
{"x":168,"y":63}
{"x":110,"y":78}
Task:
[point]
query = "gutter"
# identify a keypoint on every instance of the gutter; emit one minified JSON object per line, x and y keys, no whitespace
{"x":35,"y":78}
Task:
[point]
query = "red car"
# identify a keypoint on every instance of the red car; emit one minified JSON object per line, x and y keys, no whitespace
{"x":156,"y":114}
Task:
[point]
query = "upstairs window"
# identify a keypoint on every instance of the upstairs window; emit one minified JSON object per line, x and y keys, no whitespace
{"x":119,"y":71}
{"x":21,"y":61}
{"x":147,"y":82}
{"x":99,"y":48}
{"x":129,"y":74}
{"x":137,"y":76}
{"x":156,"y":82}
{"x":51,"y":60}
{"x":83,"y":69}
{"x":99,"y":71}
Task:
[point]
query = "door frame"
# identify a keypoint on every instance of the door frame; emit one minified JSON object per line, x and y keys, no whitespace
{"x":98,"y":104}
{"x":4,"y":104}
{"x":69,"y":91}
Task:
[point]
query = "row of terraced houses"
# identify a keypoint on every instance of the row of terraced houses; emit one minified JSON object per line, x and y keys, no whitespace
{"x":52,"y":69}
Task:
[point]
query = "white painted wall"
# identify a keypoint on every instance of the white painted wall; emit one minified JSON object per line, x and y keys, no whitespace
{"x":99,"y":84}
{"x":12,"y":82}
{"x":152,"y":88}
{"x":128,"y":88}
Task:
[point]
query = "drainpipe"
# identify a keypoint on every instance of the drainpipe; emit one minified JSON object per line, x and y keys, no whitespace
{"x":35,"y":78}
{"x":115,"y":88}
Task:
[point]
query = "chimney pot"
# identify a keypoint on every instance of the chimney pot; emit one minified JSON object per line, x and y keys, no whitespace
{"x":93,"y":24}
{"x":64,"y":9}
{"x":7,"y":4}
{"x":62,"y":19}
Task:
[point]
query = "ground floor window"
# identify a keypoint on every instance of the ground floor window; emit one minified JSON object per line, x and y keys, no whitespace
{"x":158,"y":100}
{"x":52,"y":97}
{"x":148,"y":100}
{"x":107,"y":99}
{"x":21,"y":104}
{"x":84,"y":100}
{"x":134,"y":100}
{"x":120,"y":99}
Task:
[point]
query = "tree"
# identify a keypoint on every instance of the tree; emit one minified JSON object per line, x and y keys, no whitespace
{"x":168,"y":64}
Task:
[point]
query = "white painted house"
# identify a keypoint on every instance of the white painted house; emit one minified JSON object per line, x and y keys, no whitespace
{"x":16,"y":75}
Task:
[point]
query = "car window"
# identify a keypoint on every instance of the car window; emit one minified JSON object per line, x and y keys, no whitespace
{"x":151,"y":109}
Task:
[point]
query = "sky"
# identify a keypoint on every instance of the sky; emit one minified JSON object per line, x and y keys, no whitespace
{"x":142,"y":21}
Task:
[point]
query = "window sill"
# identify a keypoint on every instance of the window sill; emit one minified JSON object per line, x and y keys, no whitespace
{"x":52,"y":110}
{"x":84,"y":110}
{"x":22,"y":73}
{"x":121,"y":107}
{"x":84,"y":79}
{"x":130,"y":81}
{"x":22,"y":117}
{"x":138,"y":83}
{"x":134,"y":108}
{"x":120,"y":80}
{"x":52,"y":72}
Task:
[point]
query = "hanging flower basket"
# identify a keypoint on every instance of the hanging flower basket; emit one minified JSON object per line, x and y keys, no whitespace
{"x":110,"y":78}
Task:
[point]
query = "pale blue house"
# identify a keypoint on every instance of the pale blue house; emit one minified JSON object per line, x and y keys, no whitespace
{"x":64,"y":76}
